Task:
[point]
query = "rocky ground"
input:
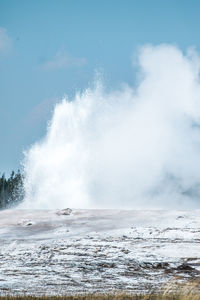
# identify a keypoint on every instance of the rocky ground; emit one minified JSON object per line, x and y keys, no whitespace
{"x":86,"y":251}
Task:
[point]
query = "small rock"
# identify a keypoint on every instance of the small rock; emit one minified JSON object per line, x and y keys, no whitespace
{"x":126,"y":251}
{"x":185,"y":267}
{"x":161,"y":265}
{"x":107,"y":265}
{"x":64,"y":212}
{"x":29,"y":224}
{"x":26,"y":223}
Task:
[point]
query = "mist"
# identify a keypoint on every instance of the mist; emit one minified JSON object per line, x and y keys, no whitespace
{"x":136,"y":147}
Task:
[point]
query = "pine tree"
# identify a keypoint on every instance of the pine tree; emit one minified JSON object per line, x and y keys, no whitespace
{"x":11,"y":190}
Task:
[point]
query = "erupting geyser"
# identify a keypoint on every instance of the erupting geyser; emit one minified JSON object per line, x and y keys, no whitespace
{"x":131,"y":148}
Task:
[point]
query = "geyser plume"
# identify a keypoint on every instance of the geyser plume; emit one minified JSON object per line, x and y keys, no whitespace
{"x":131,"y":148}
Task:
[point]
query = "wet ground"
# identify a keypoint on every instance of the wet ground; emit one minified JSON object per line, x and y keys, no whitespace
{"x":85,"y":251}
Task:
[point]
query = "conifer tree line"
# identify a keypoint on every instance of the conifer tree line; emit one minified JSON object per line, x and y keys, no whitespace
{"x":11,"y":190}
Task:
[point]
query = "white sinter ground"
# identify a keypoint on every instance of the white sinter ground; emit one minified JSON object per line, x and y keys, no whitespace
{"x":85,"y":251}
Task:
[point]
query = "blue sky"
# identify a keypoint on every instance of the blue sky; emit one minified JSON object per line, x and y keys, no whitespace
{"x":52,"y":48}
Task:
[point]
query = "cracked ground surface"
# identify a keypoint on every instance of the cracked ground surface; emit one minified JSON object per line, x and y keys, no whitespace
{"x":86,"y":251}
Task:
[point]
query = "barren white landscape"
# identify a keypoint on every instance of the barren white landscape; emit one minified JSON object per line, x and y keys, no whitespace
{"x":84,"y":251}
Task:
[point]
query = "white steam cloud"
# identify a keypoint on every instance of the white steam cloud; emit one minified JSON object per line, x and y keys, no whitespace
{"x":132,"y":148}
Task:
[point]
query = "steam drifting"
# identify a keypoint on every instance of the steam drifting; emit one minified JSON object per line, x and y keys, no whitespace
{"x":131,"y":148}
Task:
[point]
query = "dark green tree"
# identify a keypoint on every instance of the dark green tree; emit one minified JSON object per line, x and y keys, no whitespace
{"x":11,"y":190}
